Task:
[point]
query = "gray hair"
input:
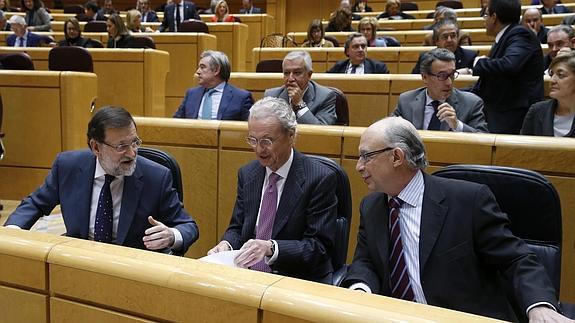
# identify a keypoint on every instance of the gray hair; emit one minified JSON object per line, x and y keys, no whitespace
{"x":443,"y":23}
{"x":568,"y":30}
{"x":441,"y":54}
{"x":300,"y":54}
{"x":271,"y":107}
{"x":400,"y":133}
{"x":218,"y":60}
{"x":447,"y":13}
{"x":350,"y":38}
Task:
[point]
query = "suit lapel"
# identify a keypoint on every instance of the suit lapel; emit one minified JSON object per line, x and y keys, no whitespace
{"x":252,"y":197}
{"x":83,"y":195}
{"x":367,"y":67}
{"x":130,"y":198}
{"x":196,"y":100}
{"x":293,"y":190}
{"x":418,"y":109}
{"x":495,"y":49}
{"x":225,"y":101}
{"x":309,"y":96}
{"x":432,"y":218}
{"x":380,"y":231}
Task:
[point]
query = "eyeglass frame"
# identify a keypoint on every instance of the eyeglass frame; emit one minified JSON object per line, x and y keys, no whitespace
{"x":366,"y":157}
{"x":443,"y":76}
{"x":122,"y":148}
{"x":258,"y":142}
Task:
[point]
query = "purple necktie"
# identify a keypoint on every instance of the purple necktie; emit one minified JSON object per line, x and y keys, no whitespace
{"x":20,"y":42}
{"x":399,"y":276}
{"x":104,"y":213}
{"x":267,"y":216}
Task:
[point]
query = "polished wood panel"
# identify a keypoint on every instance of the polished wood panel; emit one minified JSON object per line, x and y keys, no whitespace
{"x":22,"y":306}
{"x":68,"y":311}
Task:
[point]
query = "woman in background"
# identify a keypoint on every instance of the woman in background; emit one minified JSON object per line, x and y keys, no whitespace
{"x":73,"y":35}
{"x":368,"y":28}
{"x":37,"y":18}
{"x":315,"y":35}
{"x":222,"y":13}
{"x":393,"y":11}
{"x":134,"y":22}
{"x":361,"y":6}
{"x":118,"y":34}
{"x":340,"y":21}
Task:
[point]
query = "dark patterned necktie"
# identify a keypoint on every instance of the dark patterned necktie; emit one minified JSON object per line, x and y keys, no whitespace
{"x":434,"y":123}
{"x":267,"y":216}
{"x":178,"y":17}
{"x":104,"y":213}
{"x":399,"y":276}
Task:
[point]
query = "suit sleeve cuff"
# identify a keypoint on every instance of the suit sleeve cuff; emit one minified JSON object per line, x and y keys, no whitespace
{"x":13,"y":226}
{"x":271,"y":260}
{"x":459,"y":127}
{"x":178,"y":240}
{"x":302,"y":111}
{"x":360,"y":286}
{"x":540,"y":304}
{"x":229,"y":245}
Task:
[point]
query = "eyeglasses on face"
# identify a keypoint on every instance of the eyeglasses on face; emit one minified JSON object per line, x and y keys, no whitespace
{"x":366,"y":157}
{"x":263,"y":142}
{"x":122,"y":148}
{"x":442,"y":76}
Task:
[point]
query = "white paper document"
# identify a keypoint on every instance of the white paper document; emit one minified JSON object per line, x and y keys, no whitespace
{"x":223,"y":258}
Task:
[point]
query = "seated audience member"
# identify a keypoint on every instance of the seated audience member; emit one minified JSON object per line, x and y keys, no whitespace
{"x":484,"y":4}
{"x":315,"y":35}
{"x":464,"y":39}
{"x":346,"y":4}
{"x":446,"y":35}
{"x":4,"y":26}
{"x":108,"y":9}
{"x":355,"y":49}
{"x":173,"y":18}
{"x":533,"y":20}
{"x":5,"y":5}
{"x":438,"y":105}
{"x":551,"y":7}
{"x":558,"y":37}
{"x":21,"y":36}
{"x":393,"y":11}
{"x":554,"y":117}
{"x":222,"y":13}
{"x":73,"y":35}
{"x":440,"y":14}
{"x":368,"y":27}
{"x":449,"y":244}
{"x":339,"y":21}
{"x":37,"y":18}
{"x":311,"y":102}
{"x":118,"y":34}
{"x":148,"y":15}
{"x":110,"y":194}
{"x":290,"y":228}
{"x":361,"y":6}
{"x":569,"y":20}
{"x":134,"y":22}
{"x":215,"y":98}
{"x":91,"y":13}
{"x":248,"y":8}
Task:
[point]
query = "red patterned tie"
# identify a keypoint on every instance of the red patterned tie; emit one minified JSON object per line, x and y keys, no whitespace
{"x":399,"y":276}
{"x":267,"y":217}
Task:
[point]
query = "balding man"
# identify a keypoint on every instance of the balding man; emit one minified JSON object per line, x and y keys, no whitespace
{"x":558,"y":37}
{"x":533,"y":20}
{"x":438,"y":241}
{"x":22,"y":37}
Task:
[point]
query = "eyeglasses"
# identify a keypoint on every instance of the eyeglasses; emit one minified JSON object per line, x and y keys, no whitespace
{"x":366,"y":157}
{"x":122,"y":148}
{"x":263,"y":142}
{"x":442,"y":76}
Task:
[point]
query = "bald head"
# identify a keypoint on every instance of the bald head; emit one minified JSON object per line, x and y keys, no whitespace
{"x":532,"y":19}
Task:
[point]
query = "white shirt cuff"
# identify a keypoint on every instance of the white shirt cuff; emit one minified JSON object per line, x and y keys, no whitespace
{"x":360,"y":286}
{"x":539,"y":304}
{"x":13,"y":226}
{"x":302,"y":111}
{"x":229,"y":245}
{"x":270,"y":260}
{"x":178,"y":240}
{"x":459,"y":127}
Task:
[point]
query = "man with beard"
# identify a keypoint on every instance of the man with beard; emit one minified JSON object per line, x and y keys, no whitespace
{"x":109,"y":194}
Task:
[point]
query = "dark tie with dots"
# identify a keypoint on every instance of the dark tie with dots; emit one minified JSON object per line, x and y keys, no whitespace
{"x":104,"y":213}
{"x":267,"y":216}
{"x":178,"y":18}
{"x":399,"y":281}
{"x":434,"y":123}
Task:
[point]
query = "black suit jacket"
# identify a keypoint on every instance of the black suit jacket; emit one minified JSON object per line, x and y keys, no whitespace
{"x":151,"y":16}
{"x":369,"y":67}
{"x":305,"y":223}
{"x":169,"y":22}
{"x":463,"y":58}
{"x":511,"y":78}
{"x":465,"y":247}
{"x":540,"y":118}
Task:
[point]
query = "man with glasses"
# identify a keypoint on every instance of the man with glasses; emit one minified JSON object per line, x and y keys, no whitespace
{"x":284,"y":219}
{"x":511,"y":78}
{"x":437,"y":241}
{"x":438,"y":105}
{"x":109,"y":194}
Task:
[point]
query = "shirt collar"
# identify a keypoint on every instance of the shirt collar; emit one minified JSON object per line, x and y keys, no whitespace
{"x":428,"y":99}
{"x":100,"y":172}
{"x":500,"y":33}
{"x":284,"y":169}
{"x":414,"y":188}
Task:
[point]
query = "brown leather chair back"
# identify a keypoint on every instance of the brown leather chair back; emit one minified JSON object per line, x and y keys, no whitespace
{"x":95,"y":27}
{"x":270,"y":66}
{"x":16,"y":61}
{"x":193,"y":26}
{"x":142,"y":42}
{"x":70,"y":58}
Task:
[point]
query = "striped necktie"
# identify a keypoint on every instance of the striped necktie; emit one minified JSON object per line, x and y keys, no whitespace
{"x":399,"y":281}
{"x":267,"y":216}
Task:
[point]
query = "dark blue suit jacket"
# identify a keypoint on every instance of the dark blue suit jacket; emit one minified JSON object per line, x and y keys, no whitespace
{"x":189,"y":13}
{"x":255,"y":10}
{"x":369,"y":67}
{"x":305,"y":222}
{"x":235,"y":104}
{"x":33,"y":40}
{"x":151,"y":16}
{"x":147,"y":192}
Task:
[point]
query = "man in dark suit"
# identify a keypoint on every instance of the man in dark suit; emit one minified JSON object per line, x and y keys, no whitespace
{"x":551,"y":7}
{"x":449,"y":244}
{"x":511,"y":78}
{"x":446,"y":35}
{"x":558,"y":37}
{"x":148,"y":15}
{"x":533,"y":20}
{"x":290,"y":228}
{"x":311,"y":102}
{"x":440,"y":106}
{"x":21,"y":36}
{"x":111,"y":195}
{"x":92,"y":13}
{"x":355,"y":49}
{"x":173,"y":18}
{"x":248,"y":8}
{"x":215,"y":98}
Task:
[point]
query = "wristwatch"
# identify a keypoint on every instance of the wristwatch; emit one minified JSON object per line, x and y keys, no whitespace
{"x":298,"y":107}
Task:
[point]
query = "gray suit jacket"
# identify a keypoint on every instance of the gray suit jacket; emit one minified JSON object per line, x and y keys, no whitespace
{"x":468,"y":107}
{"x":319,"y":99}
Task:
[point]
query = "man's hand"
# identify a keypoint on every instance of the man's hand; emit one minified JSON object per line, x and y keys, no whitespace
{"x":541,"y":314}
{"x":222,"y":246}
{"x":252,"y":252}
{"x":295,"y":93}
{"x":446,"y":113}
{"x":158,"y":236}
